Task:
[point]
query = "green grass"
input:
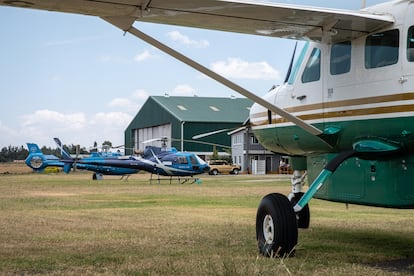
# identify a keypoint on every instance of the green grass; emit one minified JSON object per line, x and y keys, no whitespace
{"x":71,"y":225}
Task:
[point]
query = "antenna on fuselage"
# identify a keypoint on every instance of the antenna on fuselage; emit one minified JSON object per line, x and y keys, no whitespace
{"x":363,"y":4}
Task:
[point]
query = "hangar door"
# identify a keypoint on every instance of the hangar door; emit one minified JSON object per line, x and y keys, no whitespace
{"x":148,"y":133}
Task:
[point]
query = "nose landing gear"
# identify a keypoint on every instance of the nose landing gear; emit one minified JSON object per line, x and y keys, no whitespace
{"x":276,"y":228}
{"x":278,"y":218}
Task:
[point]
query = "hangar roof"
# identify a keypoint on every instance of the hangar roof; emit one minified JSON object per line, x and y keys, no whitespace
{"x":206,"y":109}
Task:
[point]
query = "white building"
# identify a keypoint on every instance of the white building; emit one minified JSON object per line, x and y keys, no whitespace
{"x":253,"y":157}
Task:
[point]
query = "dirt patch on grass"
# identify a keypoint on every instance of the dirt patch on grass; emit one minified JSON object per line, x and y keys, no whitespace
{"x":51,"y":194}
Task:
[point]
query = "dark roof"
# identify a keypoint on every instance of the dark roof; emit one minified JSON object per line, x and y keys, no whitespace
{"x":206,"y":109}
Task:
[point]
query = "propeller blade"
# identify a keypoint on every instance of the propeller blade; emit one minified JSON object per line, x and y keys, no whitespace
{"x":208,"y":143}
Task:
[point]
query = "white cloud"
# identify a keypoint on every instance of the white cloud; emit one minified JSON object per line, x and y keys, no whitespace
{"x":47,"y":117}
{"x":145,"y":55}
{"x":132,"y":104}
{"x":43,"y":125}
{"x":121,"y":102}
{"x":140,"y":95}
{"x":8,"y":134}
{"x":178,"y":37}
{"x":110,"y":126}
{"x":240,"y":69}
{"x":113,"y":120}
{"x":183,"y":90}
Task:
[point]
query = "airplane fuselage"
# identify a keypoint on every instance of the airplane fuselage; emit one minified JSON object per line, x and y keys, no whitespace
{"x":355,"y":90}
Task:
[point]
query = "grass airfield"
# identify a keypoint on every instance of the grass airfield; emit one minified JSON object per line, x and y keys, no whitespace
{"x":58,"y":224}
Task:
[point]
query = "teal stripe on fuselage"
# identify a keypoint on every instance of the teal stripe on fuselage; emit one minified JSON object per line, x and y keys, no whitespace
{"x":294,"y":141}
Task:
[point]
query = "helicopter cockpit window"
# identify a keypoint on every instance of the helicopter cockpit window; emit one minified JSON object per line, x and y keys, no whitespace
{"x":340,"y":58}
{"x":381,"y":49}
{"x":193,"y":160}
{"x":182,"y":160}
{"x":312,"y":70}
{"x":410,"y":44}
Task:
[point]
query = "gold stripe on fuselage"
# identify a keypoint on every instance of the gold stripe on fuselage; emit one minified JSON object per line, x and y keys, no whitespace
{"x":344,"y":113}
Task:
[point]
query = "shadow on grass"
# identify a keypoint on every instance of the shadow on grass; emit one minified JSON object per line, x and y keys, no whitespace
{"x":390,"y":251}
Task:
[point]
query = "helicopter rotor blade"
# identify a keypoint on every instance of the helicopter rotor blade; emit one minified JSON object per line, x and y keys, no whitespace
{"x":154,"y":140}
{"x":198,"y":136}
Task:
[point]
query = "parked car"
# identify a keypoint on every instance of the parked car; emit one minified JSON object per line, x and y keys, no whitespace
{"x":223,"y":166}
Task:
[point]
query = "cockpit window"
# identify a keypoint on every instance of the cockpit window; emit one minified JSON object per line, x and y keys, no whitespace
{"x":381,"y":49}
{"x":410,"y":44}
{"x":298,"y":63}
{"x":182,"y":160}
{"x":312,"y":70}
{"x":193,"y":160}
{"x":200,"y":161}
{"x":340,"y":58}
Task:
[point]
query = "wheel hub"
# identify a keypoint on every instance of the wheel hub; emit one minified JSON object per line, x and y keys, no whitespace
{"x":268,"y":229}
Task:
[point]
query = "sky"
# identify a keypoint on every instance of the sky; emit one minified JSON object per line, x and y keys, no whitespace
{"x":81,"y":79}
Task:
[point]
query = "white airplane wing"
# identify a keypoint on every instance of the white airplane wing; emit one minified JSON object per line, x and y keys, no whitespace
{"x":250,"y":17}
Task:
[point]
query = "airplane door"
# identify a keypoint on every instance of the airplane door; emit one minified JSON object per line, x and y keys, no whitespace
{"x":303,"y":97}
{"x":307,"y":93}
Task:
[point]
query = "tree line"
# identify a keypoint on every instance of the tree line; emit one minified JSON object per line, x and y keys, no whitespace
{"x":12,"y":153}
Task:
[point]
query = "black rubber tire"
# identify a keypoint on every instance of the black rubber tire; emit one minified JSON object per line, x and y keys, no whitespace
{"x":214,"y":172}
{"x":94,"y":177}
{"x":303,"y":217}
{"x":235,"y":171}
{"x":275,"y":215}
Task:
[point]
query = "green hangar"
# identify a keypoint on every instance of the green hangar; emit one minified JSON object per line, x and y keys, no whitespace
{"x":181,"y":118}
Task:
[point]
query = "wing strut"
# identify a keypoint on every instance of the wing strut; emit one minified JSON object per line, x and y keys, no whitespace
{"x":125,"y":23}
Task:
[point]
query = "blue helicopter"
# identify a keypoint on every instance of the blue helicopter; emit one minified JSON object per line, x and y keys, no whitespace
{"x":39,"y":161}
{"x":160,"y":161}
{"x":98,"y":169}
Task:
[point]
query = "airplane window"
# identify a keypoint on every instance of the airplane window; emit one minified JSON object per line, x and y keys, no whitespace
{"x":340,"y":58}
{"x":410,"y":44}
{"x":381,"y":49}
{"x":312,"y":70}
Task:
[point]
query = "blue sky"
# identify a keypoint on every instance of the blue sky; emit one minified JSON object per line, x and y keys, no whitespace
{"x":79,"y":78}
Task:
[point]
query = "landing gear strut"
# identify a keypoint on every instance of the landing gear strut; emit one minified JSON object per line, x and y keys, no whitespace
{"x":298,"y":181}
{"x":279,"y":217}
